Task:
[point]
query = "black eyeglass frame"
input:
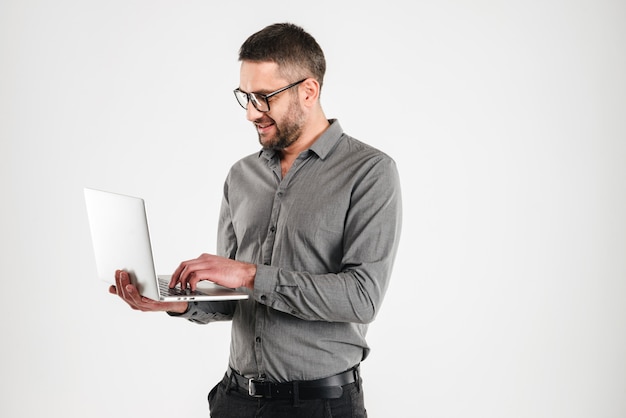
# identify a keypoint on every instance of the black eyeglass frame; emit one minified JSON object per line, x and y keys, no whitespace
{"x":263,"y":97}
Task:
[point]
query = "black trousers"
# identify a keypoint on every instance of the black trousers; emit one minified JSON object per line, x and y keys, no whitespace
{"x":227,"y":400}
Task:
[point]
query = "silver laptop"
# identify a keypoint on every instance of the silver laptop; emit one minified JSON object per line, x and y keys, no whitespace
{"x":121,"y":241}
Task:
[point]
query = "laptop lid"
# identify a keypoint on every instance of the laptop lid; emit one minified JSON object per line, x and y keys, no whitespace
{"x":121,"y":241}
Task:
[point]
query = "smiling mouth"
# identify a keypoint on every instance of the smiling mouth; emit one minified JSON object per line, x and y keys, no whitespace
{"x":263,"y":127}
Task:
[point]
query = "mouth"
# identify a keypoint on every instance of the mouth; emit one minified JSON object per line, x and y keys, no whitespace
{"x":263,"y":127}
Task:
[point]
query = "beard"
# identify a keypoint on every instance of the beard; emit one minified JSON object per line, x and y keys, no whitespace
{"x":288,"y":130}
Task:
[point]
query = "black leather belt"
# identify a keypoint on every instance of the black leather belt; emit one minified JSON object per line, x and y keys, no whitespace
{"x":326,"y":388}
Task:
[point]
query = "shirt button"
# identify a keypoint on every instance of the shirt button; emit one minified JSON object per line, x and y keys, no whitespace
{"x":272,"y":229}
{"x":263,"y":297}
{"x":258,"y":339}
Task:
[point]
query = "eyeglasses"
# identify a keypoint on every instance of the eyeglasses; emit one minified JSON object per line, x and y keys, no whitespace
{"x":260,"y":101}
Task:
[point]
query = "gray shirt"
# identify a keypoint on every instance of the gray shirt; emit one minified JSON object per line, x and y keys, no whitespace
{"x":324,"y":239}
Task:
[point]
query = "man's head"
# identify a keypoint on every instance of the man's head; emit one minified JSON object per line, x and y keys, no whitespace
{"x":282,"y":70}
{"x":297,"y":53}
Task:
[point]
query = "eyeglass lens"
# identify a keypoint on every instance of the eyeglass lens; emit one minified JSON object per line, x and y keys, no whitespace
{"x":259,"y":102}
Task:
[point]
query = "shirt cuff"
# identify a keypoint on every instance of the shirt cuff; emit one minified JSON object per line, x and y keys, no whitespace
{"x":265,"y":283}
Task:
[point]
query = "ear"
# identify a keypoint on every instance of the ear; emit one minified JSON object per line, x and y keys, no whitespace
{"x":310,"y":91}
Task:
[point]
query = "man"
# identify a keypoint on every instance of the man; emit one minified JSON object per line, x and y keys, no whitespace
{"x":309,"y":226}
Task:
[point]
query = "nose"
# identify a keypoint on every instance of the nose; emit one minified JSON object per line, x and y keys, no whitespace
{"x":251,"y":113}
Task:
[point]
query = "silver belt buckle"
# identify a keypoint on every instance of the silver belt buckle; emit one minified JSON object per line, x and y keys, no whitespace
{"x":252,"y":388}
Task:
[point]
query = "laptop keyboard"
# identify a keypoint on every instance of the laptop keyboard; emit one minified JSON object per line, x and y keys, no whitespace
{"x":177,"y":291}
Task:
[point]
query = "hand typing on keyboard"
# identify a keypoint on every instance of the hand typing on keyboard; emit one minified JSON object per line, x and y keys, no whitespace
{"x":176,"y":291}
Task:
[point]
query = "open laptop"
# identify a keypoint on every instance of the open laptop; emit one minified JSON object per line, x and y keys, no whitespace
{"x":121,"y":241}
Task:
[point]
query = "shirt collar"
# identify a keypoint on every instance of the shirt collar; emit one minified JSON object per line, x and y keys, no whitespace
{"x":327,"y":141}
{"x":322,"y":146}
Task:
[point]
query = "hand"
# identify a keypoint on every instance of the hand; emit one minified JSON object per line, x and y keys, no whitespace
{"x":220,"y":270}
{"x":129,"y":293}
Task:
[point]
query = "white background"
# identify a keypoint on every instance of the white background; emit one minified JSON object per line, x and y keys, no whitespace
{"x":508,"y":124}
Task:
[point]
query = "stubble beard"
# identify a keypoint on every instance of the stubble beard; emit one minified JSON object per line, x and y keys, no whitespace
{"x":287,"y":131}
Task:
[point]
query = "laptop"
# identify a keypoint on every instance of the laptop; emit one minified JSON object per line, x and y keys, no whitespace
{"x":121,"y":241}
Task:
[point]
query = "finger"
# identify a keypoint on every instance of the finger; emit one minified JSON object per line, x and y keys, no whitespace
{"x":195,"y":278}
{"x":184,"y":277}
{"x":173,"y":281}
{"x":195,"y":271}
{"x":126,"y":290}
{"x":122,"y":280}
{"x":118,"y":283}
{"x":133,"y":298}
{"x":190,"y":274}
{"x":176,"y":275}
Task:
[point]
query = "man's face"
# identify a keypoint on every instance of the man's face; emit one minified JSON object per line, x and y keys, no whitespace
{"x":282,"y":125}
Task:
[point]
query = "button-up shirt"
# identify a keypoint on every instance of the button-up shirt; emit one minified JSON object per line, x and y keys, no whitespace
{"x":324,"y":239}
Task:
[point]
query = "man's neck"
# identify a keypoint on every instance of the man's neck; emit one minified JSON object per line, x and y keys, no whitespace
{"x":309,"y":135}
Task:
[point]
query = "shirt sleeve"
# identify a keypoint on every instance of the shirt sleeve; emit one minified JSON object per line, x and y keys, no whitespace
{"x":206,"y":312}
{"x":371,"y":236}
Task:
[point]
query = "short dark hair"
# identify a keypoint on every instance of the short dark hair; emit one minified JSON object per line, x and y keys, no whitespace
{"x":296,"y":52}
